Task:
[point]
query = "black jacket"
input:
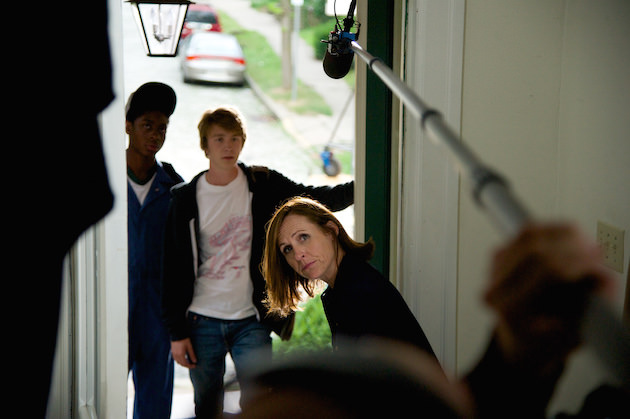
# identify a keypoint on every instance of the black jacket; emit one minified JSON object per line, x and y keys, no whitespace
{"x":364,"y":303}
{"x":270,"y":189}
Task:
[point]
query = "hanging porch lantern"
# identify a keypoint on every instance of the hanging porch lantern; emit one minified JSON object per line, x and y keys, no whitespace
{"x":160,"y":23}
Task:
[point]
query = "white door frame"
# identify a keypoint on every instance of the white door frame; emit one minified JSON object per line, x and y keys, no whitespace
{"x":429,"y":187}
{"x":90,"y":375}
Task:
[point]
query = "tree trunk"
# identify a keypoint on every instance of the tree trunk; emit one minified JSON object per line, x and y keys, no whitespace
{"x":286,"y":55}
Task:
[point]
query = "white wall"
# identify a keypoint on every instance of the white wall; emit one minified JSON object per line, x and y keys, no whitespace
{"x":546,"y":101}
{"x":594,"y":138}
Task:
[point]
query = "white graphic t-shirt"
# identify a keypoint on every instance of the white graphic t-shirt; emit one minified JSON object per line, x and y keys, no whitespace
{"x":223,"y":288}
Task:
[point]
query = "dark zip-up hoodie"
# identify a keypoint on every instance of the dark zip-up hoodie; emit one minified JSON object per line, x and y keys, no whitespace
{"x":269,"y":190}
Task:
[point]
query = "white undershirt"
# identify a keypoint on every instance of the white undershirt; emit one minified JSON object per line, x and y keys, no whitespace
{"x":141,"y":191}
{"x":223,"y":288}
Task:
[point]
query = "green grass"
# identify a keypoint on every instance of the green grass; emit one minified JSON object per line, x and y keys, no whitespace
{"x":345,"y":158}
{"x":310,"y":332}
{"x":265,"y":69}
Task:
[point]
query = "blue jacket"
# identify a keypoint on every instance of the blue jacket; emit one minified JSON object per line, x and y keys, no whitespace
{"x":145,"y":241}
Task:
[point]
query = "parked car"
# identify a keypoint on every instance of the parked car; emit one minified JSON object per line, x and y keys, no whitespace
{"x":200,"y":17}
{"x":212,"y":57}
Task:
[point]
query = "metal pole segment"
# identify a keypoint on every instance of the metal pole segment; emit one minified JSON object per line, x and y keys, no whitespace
{"x":415,"y":104}
{"x":489,"y":189}
{"x":601,"y":328}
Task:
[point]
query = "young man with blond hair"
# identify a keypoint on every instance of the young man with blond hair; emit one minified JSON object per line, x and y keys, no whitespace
{"x":213,"y":290}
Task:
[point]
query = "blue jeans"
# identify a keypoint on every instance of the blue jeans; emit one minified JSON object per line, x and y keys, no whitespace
{"x":246,"y":340}
{"x":151,"y":364}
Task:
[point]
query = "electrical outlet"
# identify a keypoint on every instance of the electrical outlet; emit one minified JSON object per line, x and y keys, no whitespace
{"x":611,"y":241}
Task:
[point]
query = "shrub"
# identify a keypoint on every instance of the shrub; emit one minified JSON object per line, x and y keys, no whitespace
{"x":310,"y":332}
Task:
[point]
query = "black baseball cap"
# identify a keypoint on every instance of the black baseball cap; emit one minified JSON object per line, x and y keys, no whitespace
{"x":151,"y":96}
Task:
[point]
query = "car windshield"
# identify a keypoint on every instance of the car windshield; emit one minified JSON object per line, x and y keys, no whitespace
{"x":215,"y":45}
{"x":201,"y":16}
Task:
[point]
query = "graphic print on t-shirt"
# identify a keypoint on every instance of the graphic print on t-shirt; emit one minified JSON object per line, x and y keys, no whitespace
{"x":233,"y":240}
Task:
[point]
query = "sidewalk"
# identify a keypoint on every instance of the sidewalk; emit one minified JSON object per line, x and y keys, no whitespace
{"x":307,"y":130}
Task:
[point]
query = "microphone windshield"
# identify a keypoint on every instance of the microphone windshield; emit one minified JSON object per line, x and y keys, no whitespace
{"x":337,"y":66}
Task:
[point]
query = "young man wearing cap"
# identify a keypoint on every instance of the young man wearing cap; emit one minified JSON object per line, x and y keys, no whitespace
{"x":149,"y":184}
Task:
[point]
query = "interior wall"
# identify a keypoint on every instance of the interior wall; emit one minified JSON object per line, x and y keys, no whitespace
{"x":594,"y":143}
{"x":545,"y":102}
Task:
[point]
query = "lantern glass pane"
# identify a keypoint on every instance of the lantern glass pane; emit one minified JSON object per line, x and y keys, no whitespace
{"x":162,"y":26}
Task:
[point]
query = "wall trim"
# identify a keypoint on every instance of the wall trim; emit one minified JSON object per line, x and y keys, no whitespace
{"x":428,"y":216}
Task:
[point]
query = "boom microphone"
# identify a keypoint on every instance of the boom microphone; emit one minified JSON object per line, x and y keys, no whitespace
{"x":338,"y":57}
{"x":337,"y":66}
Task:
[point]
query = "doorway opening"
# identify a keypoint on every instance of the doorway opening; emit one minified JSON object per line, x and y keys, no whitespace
{"x":294,"y":135}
